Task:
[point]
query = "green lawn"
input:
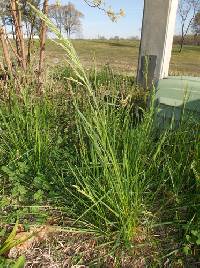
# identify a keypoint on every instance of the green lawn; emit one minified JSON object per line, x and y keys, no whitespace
{"x":122,"y":56}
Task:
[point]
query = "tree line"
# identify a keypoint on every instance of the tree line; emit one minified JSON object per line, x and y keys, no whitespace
{"x":189,"y":16}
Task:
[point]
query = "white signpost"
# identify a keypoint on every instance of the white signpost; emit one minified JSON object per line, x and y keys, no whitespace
{"x":157,"y":39}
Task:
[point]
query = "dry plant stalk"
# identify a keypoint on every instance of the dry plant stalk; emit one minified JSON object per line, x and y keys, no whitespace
{"x":13,"y":49}
{"x":3,"y":77}
{"x":2,"y":67}
{"x":42,"y":48}
{"x":16,"y":15}
{"x":5,"y":49}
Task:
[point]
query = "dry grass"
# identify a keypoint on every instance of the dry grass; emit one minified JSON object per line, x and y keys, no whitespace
{"x":56,"y":249}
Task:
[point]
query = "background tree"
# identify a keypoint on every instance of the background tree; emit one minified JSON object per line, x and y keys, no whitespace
{"x":72,"y":19}
{"x":57,"y":13}
{"x":6,"y":19}
{"x":28,"y":20}
{"x":196,"y":24}
{"x":66,"y":17}
{"x":187,"y":11}
{"x":31,"y":23}
{"x":196,"y":28}
{"x":4,"y":12}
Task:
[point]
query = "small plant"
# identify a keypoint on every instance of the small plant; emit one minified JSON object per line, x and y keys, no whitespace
{"x":192,"y":241}
{"x":7,"y":245}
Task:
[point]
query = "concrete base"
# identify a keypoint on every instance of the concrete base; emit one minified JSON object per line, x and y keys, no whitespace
{"x":176,"y":96}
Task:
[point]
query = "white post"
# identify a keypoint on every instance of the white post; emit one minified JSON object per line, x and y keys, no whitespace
{"x":157,"y":37}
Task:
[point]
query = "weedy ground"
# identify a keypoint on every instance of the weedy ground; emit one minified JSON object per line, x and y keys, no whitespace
{"x":85,"y":156}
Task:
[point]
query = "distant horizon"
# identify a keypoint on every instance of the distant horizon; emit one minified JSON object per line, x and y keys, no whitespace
{"x":134,"y":38}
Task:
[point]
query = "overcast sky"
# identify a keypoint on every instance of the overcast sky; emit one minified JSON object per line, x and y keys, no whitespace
{"x":96,"y":23}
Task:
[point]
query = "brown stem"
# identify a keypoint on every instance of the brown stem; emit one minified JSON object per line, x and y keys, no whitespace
{"x":16,"y":14}
{"x":5,"y":49}
{"x":42,"y":48}
{"x":13,"y":49}
{"x":30,"y":41}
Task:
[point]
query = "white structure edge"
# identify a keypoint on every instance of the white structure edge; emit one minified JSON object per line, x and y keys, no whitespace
{"x":157,"y":33}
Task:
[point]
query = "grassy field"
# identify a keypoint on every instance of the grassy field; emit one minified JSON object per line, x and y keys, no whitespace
{"x":122,"y":56}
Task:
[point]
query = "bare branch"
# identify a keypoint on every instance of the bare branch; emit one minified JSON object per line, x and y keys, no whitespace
{"x":100,"y":4}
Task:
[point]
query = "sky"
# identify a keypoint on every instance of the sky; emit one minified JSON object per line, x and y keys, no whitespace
{"x":96,"y":23}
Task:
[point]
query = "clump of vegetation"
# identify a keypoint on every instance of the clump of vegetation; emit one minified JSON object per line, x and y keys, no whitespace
{"x":97,"y":156}
{"x":88,"y":148}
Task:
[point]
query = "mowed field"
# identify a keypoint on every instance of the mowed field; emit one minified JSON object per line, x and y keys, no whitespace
{"x":122,"y":56}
